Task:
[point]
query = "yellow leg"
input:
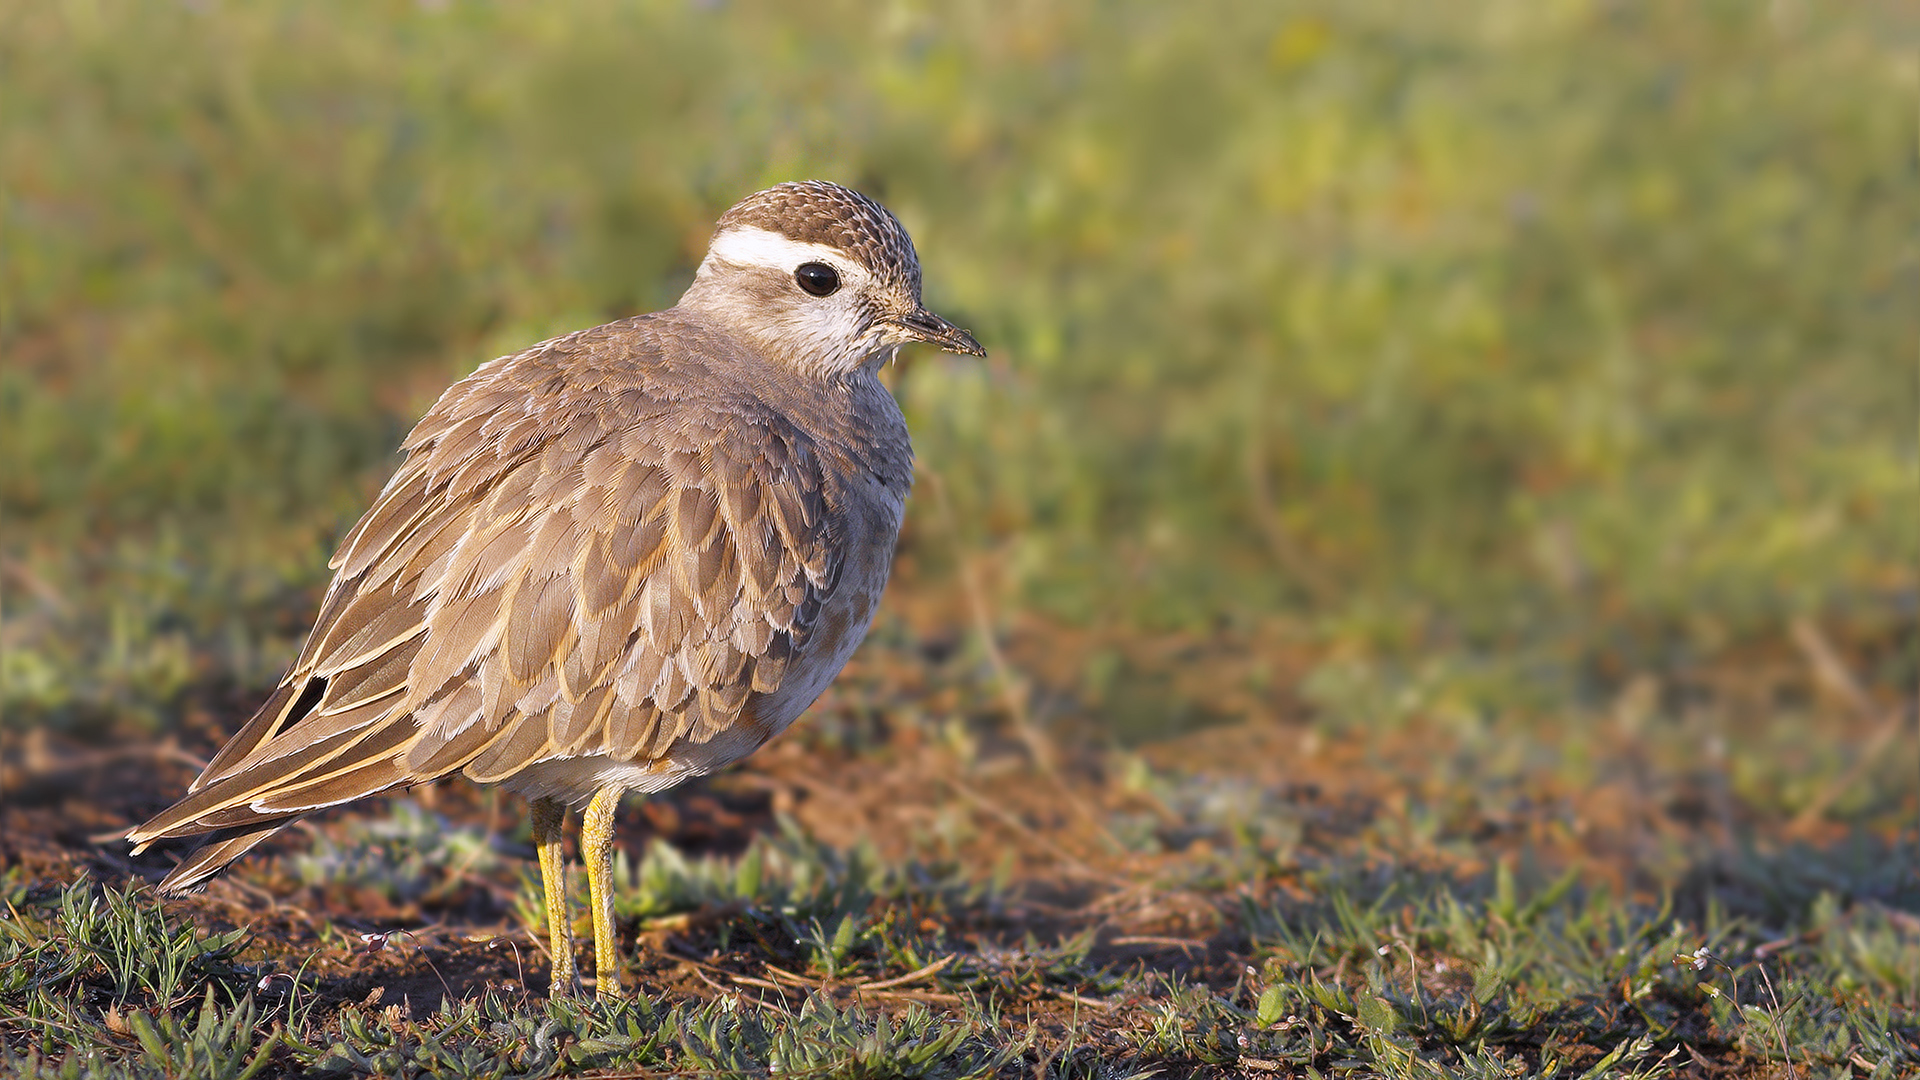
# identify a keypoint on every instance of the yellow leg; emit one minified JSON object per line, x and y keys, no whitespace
{"x":549,"y":820}
{"x":596,"y":850}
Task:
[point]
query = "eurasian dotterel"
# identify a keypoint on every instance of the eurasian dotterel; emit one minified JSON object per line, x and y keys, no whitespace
{"x":619,"y":559}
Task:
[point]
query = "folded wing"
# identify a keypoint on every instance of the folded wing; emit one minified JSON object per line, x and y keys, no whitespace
{"x":556,"y":569}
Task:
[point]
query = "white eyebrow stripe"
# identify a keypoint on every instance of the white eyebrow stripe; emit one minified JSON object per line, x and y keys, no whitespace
{"x":744,"y":245}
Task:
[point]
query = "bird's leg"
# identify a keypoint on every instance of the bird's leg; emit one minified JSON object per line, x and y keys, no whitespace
{"x":596,"y":850}
{"x":549,"y":818}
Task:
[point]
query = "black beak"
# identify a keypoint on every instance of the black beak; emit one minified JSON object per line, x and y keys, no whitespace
{"x":924,"y":325}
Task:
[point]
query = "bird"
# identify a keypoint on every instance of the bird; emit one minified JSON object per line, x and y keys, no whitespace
{"x":622,"y":558}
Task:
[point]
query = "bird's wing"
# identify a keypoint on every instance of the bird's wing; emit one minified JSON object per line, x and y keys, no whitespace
{"x":554,"y":567}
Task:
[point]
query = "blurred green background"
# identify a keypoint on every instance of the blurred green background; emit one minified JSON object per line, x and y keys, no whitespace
{"x":1499,"y":352}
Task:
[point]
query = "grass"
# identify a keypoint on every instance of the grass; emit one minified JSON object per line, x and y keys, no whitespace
{"x":1392,"y":334}
{"x":807,"y":964}
{"x":1431,"y":547}
{"x":1163,"y":920}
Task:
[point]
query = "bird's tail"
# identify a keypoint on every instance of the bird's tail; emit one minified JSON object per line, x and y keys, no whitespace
{"x":216,"y":851}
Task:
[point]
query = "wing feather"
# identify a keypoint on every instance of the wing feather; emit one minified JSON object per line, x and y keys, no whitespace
{"x":630,"y":730}
{"x":456,"y":637}
{"x":292,"y":699}
{"x":370,"y":626}
{"x":524,"y":741}
{"x":451,"y":732}
{"x":538,"y":622}
{"x":395,"y":515}
{"x":369,"y":680}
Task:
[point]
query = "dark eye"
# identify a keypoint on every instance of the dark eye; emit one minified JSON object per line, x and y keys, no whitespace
{"x":817,"y":279}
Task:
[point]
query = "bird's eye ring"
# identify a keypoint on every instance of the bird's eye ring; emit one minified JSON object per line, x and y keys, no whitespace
{"x":817,"y":279}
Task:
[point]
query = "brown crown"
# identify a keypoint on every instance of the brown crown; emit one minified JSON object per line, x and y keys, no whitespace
{"x":818,"y":212}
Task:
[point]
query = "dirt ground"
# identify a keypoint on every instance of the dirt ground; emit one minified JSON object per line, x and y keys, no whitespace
{"x":1046,"y":830}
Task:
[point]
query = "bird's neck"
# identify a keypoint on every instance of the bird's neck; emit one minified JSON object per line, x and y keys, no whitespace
{"x":822,"y":351}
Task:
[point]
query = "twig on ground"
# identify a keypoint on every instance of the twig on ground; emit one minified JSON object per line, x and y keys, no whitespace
{"x":1185,"y":945}
{"x":932,"y":969}
{"x":1093,"y":1003}
{"x":1832,"y":671}
{"x":40,"y":587}
{"x":1025,"y":832}
{"x":1013,"y":690}
{"x":1280,"y":541}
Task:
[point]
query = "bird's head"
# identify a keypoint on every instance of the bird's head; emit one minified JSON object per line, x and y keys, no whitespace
{"x":820,"y":277}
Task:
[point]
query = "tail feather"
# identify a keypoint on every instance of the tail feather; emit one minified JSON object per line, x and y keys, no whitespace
{"x":219,"y":849}
{"x":183,"y":818}
{"x":265,"y":721}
